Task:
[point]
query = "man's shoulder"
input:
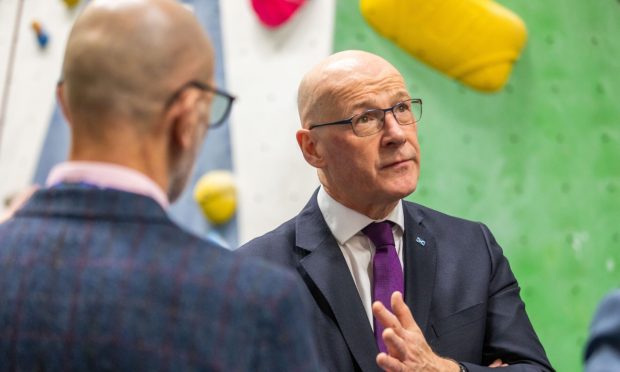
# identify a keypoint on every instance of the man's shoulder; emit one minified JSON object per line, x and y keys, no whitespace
{"x":157,"y":250}
{"x":607,"y":312}
{"x":264,"y":280}
{"x":451,"y":230}
{"x":145,"y":236}
{"x":603,"y":349}
{"x":432,"y":216}
{"x":250,"y":276}
{"x":275,"y":241}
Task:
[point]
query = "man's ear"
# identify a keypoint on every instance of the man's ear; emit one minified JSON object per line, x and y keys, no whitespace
{"x":60,"y":96}
{"x":181,"y":121}
{"x":308,"y":143}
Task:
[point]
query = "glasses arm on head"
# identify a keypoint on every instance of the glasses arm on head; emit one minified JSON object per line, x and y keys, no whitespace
{"x":198,"y":85}
{"x":339,"y":122}
{"x":207,"y":88}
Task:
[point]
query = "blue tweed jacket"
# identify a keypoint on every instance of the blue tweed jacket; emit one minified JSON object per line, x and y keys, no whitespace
{"x":94,"y":280}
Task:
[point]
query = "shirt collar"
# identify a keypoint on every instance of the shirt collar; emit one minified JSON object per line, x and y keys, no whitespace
{"x":344,"y":222}
{"x":107,"y":175}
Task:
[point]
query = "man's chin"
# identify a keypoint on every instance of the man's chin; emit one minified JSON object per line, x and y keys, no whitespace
{"x":405,"y":183}
{"x":403,"y":191}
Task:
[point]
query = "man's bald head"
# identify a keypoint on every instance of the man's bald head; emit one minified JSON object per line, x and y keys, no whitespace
{"x":382,"y":165}
{"x":124,"y":57}
{"x":337,"y":75}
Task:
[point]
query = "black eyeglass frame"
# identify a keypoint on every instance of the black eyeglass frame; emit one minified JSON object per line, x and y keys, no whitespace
{"x":391,"y":109}
{"x":192,"y":84}
{"x":206,"y":88}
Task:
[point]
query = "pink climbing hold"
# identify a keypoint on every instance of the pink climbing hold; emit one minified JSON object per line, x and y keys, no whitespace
{"x":273,"y":13}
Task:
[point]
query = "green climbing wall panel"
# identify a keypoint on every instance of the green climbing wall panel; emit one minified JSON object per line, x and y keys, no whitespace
{"x":539,"y":162}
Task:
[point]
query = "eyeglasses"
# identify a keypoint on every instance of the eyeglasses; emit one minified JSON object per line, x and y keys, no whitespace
{"x":370,"y":122}
{"x":220,"y":105}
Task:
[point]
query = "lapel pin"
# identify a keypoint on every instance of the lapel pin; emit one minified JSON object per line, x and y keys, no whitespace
{"x":420,"y":241}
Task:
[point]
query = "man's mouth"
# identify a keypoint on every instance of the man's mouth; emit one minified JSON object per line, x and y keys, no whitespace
{"x":397,"y":163}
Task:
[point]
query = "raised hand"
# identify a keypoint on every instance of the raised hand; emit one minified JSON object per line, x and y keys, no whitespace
{"x":407,"y":347}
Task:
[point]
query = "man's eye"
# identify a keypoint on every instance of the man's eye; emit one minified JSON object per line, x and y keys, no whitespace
{"x":364,"y":119}
{"x":402,"y":107}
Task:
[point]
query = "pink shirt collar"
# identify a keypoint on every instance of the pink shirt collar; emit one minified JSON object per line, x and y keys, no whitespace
{"x":107,"y":175}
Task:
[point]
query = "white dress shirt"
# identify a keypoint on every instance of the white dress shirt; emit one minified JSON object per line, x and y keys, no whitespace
{"x":357,"y":249}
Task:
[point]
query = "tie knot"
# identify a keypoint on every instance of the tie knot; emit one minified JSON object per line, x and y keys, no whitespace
{"x":380,"y":233}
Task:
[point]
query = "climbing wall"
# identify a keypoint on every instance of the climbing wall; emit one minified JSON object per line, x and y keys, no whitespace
{"x":261,"y":67}
{"x":214,"y":154}
{"x":539,"y":162}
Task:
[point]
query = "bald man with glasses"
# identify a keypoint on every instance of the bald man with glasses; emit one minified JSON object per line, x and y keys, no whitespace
{"x":359,"y":247}
{"x":94,"y":275}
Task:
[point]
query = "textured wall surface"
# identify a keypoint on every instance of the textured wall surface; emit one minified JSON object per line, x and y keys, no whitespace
{"x":33,"y":140}
{"x":539,"y":163}
{"x":28,"y":87}
{"x":261,"y":67}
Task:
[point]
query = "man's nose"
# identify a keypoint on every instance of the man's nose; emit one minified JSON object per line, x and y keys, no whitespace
{"x":392,"y":131}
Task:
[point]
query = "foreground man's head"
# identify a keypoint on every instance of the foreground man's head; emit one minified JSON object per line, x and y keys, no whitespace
{"x":136,"y":87}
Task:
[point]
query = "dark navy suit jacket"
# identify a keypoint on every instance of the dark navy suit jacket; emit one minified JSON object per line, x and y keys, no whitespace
{"x":458,"y":285}
{"x":94,"y":280}
{"x":603,"y":348}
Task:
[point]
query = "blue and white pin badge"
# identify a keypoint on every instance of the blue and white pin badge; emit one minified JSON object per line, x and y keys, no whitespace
{"x":420,"y":241}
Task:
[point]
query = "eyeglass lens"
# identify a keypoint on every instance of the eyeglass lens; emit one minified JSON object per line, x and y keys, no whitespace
{"x":219,"y":109}
{"x":371,"y":121}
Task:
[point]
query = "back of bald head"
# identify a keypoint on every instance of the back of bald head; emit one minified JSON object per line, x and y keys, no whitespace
{"x":325,"y":82}
{"x":123,"y":58}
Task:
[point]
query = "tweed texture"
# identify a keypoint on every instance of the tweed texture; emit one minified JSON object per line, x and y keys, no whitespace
{"x":95,"y":280}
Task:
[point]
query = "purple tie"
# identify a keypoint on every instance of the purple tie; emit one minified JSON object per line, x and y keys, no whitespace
{"x":386,"y":270}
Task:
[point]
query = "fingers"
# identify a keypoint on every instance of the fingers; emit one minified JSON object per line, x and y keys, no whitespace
{"x":498,"y":363}
{"x":402,"y":312}
{"x":401,"y":317}
{"x":396,"y":346}
{"x":388,"y":363}
{"x":384,"y":316}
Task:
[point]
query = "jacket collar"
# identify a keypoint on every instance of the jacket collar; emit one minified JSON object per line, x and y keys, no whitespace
{"x":325,"y":269}
{"x":86,"y":201}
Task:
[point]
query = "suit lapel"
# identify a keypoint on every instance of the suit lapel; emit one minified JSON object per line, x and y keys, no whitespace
{"x":327,"y":275}
{"x":420,"y":258}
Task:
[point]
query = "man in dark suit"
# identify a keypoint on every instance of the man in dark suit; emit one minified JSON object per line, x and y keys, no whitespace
{"x":603,"y":348}
{"x":93,"y":273}
{"x":357,"y":241}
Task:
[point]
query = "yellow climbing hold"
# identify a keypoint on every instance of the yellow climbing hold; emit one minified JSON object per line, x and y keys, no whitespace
{"x":71,"y":3}
{"x":474,"y":41}
{"x":216,"y":195}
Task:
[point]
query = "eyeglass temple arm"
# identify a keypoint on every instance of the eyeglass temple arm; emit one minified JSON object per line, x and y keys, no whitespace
{"x":339,"y":122}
